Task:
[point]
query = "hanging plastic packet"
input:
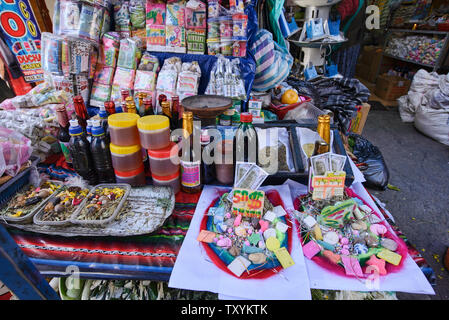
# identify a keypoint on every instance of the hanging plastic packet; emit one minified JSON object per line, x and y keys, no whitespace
{"x":145,"y":80}
{"x":127,"y":54}
{"x":69,"y":21}
{"x":106,"y":24}
{"x":51,"y":53}
{"x":56,"y":17}
{"x":100,"y":94}
{"x":121,"y":16}
{"x":80,"y":51}
{"x":109,"y":49}
{"x":240,"y":84}
{"x":91,"y":19}
{"x":104,"y":75}
{"x":137,"y":13}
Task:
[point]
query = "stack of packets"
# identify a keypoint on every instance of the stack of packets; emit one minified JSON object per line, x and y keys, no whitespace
{"x":168,"y":79}
{"x":146,"y":75}
{"x":129,"y":18}
{"x":175,"y":26}
{"x":81,"y":20}
{"x":326,"y":177}
{"x":105,"y":69}
{"x":248,"y":232}
{"x":128,"y":59}
{"x":196,"y":26}
{"x":68,"y":63}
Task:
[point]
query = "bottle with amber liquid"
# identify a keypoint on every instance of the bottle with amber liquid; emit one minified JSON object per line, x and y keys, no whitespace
{"x":130,"y":105}
{"x":323,"y":129}
{"x":125,"y":94}
{"x":166,"y":110}
{"x":148,"y":106}
{"x":141,"y":96}
{"x":190,"y":159}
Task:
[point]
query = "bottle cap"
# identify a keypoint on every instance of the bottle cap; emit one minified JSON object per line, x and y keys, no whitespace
{"x":246,"y":117}
{"x":123,"y":120}
{"x":97,"y":129}
{"x":102,"y":113}
{"x":153,"y":122}
{"x":75,"y":129}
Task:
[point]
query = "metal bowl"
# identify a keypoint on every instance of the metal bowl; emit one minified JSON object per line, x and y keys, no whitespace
{"x":206,"y":106}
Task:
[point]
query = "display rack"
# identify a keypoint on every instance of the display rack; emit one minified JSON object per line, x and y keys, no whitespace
{"x":438,"y":63}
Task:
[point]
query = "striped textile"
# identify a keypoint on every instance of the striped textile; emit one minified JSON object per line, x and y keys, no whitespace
{"x":273,"y":63}
{"x":131,"y":257}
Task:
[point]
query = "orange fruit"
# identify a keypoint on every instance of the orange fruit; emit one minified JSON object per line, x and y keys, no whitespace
{"x":289,"y":97}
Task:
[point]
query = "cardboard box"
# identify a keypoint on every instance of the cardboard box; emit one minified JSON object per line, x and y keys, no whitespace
{"x":358,"y":123}
{"x":391,"y":87}
{"x":369,"y":63}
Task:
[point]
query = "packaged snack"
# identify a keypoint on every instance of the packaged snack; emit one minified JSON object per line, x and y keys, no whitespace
{"x":175,"y":39}
{"x":127,"y":54}
{"x":226,"y":46}
{"x":196,"y":41}
{"x":81,"y":86}
{"x":239,"y":24}
{"x":149,"y":63}
{"x":51,"y":53}
{"x":137,"y":13}
{"x":100,"y":94}
{"x":121,"y":16}
{"x":213,"y":46}
{"x":69,"y":21}
{"x":213,"y":8}
{"x":109,"y":49}
{"x":226,"y":26}
{"x":80,"y":51}
{"x":195,"y":14}
{"x":156,"y":38}
{"x":175,"y":15}
{"x":145,"y":81}
{"x":213,"y":28}
{"x":155,"y":13}
{"x":91,"y":19}
{"x":239,"y":46}
{"x":104,"y":75}
{"x":124,"y":78}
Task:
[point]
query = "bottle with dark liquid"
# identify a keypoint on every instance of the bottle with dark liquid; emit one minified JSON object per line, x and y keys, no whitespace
{"x":104,"y":120}
{"x":245,"y":140}
{"x":190,"y":160}
{"x":80,"y":152}
{"x":207,"y":170}
{"x":174,"y":124}
{"x":148,"y":106}
{"x":63,"y":135}
{"x":101,"y":154}
{"x":81,"y":111}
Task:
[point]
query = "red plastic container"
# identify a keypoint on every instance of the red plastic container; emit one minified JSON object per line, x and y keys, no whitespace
{"x":281,"y":110}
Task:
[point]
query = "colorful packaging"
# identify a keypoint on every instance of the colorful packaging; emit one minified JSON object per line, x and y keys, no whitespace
{"x":80,"y":51}
{"x":62,"y":83}
{"x":213,"y":8}
{"x":104,"y":75}
{"x":145,"y":81}
{"x":237,"y":5}
{"x":155,"y":14}
{"x":127,"y":54}
{"x":106,"y":24}
{"x":239,"y":46}
{"x":69,"y":22}
{"x":196,"y":41}
{"x":156,"y":38}
{"x":226,"y":46}
{"x":109,"y":49}
{"x":91,"y":19}
{"x":137,"y":14}
{"x":213,"y":28}
{"x":121,"y":16}
{"x":213,"y":47}
{"x":175,"y":15}
{"x":124,"y":78}
{"x":239,"y":25}
{"x":81,"y":86}
{"x":93,"y":62}
{"x":142,"y":35}
{"x":149,"y":63}
{"x":175,"y":39}
{"x":226,"y":26}
{"x":51,"y":53}
{"x":100,"y":94}
{"x":195,"y":13}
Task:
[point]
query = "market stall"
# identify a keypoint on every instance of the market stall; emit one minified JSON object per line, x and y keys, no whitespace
{"x":176,"y":143}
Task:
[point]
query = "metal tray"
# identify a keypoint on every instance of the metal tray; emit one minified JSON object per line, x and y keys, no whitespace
{"x":73,"y":219}
{"x":29,"y":217}
{"x":37,"y":217}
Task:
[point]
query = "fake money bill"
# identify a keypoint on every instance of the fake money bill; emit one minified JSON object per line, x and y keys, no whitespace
{"x":337,"y":162}
{"x":320,"y":164}
{"x":252,"y":179}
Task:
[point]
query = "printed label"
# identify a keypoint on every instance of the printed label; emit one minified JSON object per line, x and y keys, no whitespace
{"x":65,"y":151}
{"x":190,"y":174}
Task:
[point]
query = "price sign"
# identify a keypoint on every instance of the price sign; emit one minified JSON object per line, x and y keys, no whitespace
{"x":248,"y":203}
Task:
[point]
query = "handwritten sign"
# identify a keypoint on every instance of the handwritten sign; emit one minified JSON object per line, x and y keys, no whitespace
{"x":332,"y":184}
{"x":248,"y":203}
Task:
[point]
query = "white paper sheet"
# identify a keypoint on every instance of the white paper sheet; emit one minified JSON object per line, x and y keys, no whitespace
{"x":410,"y":279}
{"x":194,"y":271}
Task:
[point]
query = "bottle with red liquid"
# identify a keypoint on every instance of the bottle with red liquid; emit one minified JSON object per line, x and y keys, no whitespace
{"x":125,"y":94}
{"x":81,"y":111}
{"x":175,"y":113}
{"x":110,"y":107}
{"x":148,"y":106}
{"x":63,"y":135}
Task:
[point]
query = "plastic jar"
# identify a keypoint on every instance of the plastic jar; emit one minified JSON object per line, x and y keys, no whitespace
{"x":170,"y":181}
{"x":164,"y":162}
{"x":226,"y":46}
{"x":123,"y":129}
{"x":226,"y":28}
{"x":213,"y":28}
{"x":224,"y":165}
{"x":213,"y":8}
{"x":239,"y":25}
{"x":239,"y":46}
{"x":126,"y":158}
{"x":135,"y":178}
{"x":235,"y":120}
{"x":213,"y":47}
{"x":225,"y":120}
{"x":154,"y":131}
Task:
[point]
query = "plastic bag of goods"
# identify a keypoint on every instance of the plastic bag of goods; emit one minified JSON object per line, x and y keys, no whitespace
{"x":15,"y":150}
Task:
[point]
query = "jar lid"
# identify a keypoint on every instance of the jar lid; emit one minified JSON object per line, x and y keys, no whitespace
{"x":239,"y":16}
{"x":124,"y":150}
{"x":167,"y":152}
{"x":166,"y":178}
{"x":123,"y":119}
{"x":153,"y":122}
{"x":246,"y":117}
{"x":131,"y":173}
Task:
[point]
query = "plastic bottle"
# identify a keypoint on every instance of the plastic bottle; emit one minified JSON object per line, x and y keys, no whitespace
{"x":101,"y":154}
{"x":80,"y":152}
{"x":104,"y":120}
{"x":245,"y":140}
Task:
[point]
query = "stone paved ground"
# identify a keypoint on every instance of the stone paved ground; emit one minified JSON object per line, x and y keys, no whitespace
{"x":419,"y":167}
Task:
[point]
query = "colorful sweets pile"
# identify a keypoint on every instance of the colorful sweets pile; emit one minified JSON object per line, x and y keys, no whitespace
{"x":346,"y":234}
{"x":245,"y":243}
{"x":24,"y":202}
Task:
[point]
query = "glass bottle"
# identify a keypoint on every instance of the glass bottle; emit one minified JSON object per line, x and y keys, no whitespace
{"x":175,"y":112}
{"x":125,"y":94}
{"x":141,"y":96}
{"x":245,"y":140}
{"x":190,"y":160}
{"x":130,"y":105}
{"x":166,"y":110}
{"x":148,"y":106}
{"x":81,"y":111}
{"x":63,"y":135}
{"x":323,"y":129}
{"x":207,"y":170}
{"x":110,"y":107}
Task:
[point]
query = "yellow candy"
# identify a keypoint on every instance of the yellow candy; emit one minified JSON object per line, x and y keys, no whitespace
{"x":272,"y":244}
{"x":390,"y":256}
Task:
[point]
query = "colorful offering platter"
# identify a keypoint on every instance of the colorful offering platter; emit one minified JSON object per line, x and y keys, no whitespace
{"x":247,"y":246}
{"x":347,"y":237}
{"x":101,"y":203}
{"x":26,"y":201}
{"x":62,"y":206}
